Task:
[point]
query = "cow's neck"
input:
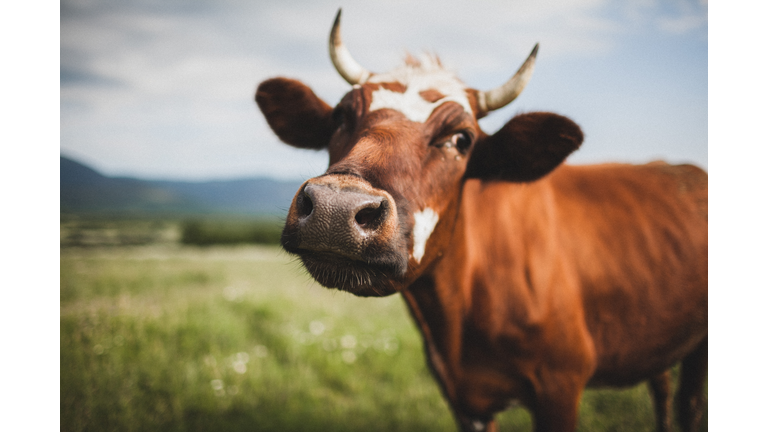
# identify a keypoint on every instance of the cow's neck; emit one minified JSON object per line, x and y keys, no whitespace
{"x":449,"y":301}
{"x":436,"y":323}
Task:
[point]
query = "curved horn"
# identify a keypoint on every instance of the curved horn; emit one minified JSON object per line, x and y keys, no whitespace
{"x":342,"y":60}
{"x":506,"y":93}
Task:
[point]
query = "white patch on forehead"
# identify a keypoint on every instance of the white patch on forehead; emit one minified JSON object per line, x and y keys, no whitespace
{"x":416,"y":79}
{"x":425,"y":222}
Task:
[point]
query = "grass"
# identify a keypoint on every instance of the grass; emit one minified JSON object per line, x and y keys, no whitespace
{"x":95,"y":231}
{"x":99,"y":231}
{"x":226,"y":231}
{"x":171,"y":338}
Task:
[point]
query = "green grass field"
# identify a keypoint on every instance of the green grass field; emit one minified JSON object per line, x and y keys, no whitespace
{"x":172,"y":338}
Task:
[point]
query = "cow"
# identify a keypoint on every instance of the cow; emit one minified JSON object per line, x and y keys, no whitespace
{"x":529,"y":279}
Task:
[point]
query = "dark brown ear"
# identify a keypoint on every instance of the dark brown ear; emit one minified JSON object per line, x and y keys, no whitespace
{"x":527,"y":148}
{"x":295,"y":113}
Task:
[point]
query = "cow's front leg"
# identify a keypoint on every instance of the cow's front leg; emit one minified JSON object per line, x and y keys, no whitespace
{"x":561,"y":416}
{"x":557,"y":409}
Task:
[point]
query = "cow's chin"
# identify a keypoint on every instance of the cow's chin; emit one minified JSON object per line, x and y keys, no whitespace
{"x":356,"y":277}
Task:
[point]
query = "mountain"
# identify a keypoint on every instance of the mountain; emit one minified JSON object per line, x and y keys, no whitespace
{"x":85,"y":190}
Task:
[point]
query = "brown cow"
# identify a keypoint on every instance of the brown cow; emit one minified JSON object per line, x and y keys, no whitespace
{"x":528,"y":279}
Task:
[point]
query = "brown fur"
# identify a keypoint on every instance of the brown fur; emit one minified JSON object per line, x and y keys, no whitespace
{"x":393,"y":86}
{"x":431,"y":95}
{"x":539,"y":279}
{"x":282,"y":99}
{"x":592,"y":275}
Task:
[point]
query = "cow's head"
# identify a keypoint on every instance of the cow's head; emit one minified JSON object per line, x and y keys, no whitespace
{"x":401,"y":146}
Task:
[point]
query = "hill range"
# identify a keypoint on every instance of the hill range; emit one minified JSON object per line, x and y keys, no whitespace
{"x":84,"y":190}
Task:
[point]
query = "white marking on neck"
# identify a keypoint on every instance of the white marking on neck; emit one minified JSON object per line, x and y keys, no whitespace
{"x":417,"y":79}
{"x":425,"y":222}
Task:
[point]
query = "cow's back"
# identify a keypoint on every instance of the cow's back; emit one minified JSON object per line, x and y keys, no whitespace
{"x":638,"y":239}
{"x":622,"y":246}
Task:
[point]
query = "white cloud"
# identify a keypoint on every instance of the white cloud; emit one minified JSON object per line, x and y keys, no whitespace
{"x":670,"y":16}
{"x":682,"y":24}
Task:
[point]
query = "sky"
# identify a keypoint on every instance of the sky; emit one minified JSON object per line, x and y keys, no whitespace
{"x":164,"y":90}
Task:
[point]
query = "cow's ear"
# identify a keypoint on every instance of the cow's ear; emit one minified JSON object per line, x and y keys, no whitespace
{"x":527,"y":148}
{"x":295,"y":113}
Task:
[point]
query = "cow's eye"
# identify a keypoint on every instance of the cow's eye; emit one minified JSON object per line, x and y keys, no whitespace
{"x":461,"y":141}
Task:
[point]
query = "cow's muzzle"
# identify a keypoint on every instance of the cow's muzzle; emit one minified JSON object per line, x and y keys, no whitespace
{"x":347,"y":234}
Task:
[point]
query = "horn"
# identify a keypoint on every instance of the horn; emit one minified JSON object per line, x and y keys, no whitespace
{"x":342,"y":60}
{"x":506,"y":93}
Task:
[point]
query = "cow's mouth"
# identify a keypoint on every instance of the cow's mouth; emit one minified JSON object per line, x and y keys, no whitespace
{"x":372,"y":279}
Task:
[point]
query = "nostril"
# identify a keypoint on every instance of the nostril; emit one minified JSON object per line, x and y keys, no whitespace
{"x":304,"y":204}
{"x":369,"y":216}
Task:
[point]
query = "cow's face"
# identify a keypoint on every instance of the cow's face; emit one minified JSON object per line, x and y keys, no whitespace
{"x":400,"y":146}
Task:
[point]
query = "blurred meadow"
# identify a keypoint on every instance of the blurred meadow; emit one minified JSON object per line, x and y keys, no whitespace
{"x":162,"y":335}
